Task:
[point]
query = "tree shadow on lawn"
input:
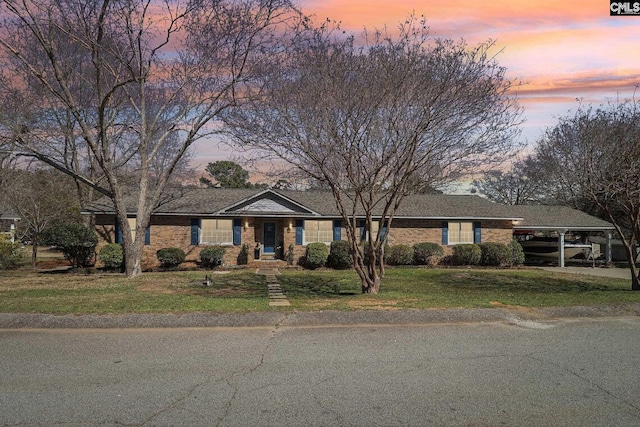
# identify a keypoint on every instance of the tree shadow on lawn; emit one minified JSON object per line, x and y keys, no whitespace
{"x":318,"y":286}
{"x":539,"y":284}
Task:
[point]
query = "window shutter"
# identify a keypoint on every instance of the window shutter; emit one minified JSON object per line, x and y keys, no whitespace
{"x":363,"y":233}
{"x":118,"y":232}
{"x":147,"y":235}
{"x":477,"y":232}
{"x":337,"y":230}
{"x":299,"y":228}
{"x":237,"y":231}
{"x":383,"y":233}
{"x":445,"y":233}
{"x":195,"y":231}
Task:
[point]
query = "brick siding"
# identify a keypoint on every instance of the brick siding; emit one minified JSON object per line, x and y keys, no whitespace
{"x":175,"y":231}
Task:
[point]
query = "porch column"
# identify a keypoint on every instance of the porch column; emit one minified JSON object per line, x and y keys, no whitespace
{"x":561,"y":247}
{"x":608,"y":253}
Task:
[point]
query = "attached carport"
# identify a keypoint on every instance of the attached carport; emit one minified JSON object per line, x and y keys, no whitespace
{"x":562,"y":220}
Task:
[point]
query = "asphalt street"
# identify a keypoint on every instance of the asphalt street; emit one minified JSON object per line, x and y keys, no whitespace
{"x":515,"y":371}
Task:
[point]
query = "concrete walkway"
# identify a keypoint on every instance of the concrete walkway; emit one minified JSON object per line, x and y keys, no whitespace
{"x":616,"y":273}
{"x":277,"y":298}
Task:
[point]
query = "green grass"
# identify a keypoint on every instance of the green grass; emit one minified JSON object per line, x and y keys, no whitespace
{"x":243,"y":291}
{"x":446,"y":288}
{"x":179,"y":292}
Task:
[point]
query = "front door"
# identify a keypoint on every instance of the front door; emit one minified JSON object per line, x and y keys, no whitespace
{"x":269,"y":237}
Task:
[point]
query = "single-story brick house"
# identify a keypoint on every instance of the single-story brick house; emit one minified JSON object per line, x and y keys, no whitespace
{"x":272,"y":220}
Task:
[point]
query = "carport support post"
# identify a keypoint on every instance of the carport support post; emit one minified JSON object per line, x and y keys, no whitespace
{"x":608,"y":255}
{"x":561,"y":234}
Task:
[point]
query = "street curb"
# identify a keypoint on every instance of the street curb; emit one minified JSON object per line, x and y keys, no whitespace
{"x":308,"y":319}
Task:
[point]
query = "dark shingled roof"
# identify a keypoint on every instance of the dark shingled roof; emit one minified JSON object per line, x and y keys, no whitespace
{"x":556,"y":217}
{"x":221,"y":202}
{"x":206,"y":201}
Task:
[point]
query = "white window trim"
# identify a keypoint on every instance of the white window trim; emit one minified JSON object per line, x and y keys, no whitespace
{"x":459,"y":223}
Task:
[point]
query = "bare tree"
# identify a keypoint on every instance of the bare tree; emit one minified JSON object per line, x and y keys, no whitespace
{"x":377,"y":122}
{"x":106,"y":86}
{"x":521,"y":184}
{"x":41,"y":198}
{"x":595,"y":154}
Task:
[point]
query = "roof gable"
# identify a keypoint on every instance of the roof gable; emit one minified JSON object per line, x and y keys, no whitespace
{"x":267,"y":203}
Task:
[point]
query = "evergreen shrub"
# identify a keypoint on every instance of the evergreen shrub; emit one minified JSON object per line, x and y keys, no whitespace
{"x":170,"y":257}
{"x":340,"y":255}
{"x":427,"y":253}
{"x":212,"y":256}
{"x":316,"y":255}
{"x":495,"y":254}
{"x":399,"y":255}
{"x":466,"y":254}
{"x":112,"y":257}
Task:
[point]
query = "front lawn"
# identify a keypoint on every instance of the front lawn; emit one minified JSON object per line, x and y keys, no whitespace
{"x":179,"y":292}
{"x":447,"y":288}
{"x":244,"y":291}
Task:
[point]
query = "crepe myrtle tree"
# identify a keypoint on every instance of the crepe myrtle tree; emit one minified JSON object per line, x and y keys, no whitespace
{"x":594,"y":155}
{"x":128,"y":86}
{"x":377,"y":118}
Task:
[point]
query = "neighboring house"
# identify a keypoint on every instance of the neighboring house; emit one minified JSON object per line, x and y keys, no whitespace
{"x":8,"y":220}
{"x":272,"y":220}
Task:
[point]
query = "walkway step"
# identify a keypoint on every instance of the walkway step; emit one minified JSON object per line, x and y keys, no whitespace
{"x":276,"y":295}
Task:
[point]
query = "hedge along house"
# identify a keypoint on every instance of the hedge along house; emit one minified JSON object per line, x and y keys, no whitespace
{"x":269,"y":222}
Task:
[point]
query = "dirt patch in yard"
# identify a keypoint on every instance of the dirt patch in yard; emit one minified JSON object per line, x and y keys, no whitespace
{"x":529,"y":311}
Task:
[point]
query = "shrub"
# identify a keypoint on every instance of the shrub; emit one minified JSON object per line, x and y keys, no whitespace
{"x":399,"y":255}
{"x":212,"y":256}
{"x":112,"y":257}
{"x":76,"y":241}
{"x":316,"y":255}
{"x":243,"y":256}
{"x":495,"y":254}
{"x":468,"y":254}
{"x":170,"y":257}
{"x":340,"y":255}
{"x":11,"y":255}
{"x":425,"y":253}
{"x":517,"y":254}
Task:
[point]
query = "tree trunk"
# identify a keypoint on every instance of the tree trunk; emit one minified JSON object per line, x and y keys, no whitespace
{"x":631,"y":261}
{"x":133,"y":260}
{"x":34,"y":253}
{"x":372,"y":286}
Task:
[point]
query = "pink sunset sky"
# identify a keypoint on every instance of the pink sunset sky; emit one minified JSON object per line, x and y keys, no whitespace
{"x":563,"y":52}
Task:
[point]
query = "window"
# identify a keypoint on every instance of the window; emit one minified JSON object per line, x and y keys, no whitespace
{"x":132,"y":227}
{"x":132,"y":231}
{"x":375,"y":225}
{"x":318,"y":231}
{"x":217,"y":231}
{"x":460,"y":232}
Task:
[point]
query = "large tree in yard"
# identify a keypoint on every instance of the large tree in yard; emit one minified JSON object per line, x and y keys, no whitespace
{"x":124,"y":88}
{"x":379,"y":118}
{"x":595,"y":156}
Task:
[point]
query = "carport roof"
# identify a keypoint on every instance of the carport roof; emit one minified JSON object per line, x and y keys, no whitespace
{"x":537,"y":217}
